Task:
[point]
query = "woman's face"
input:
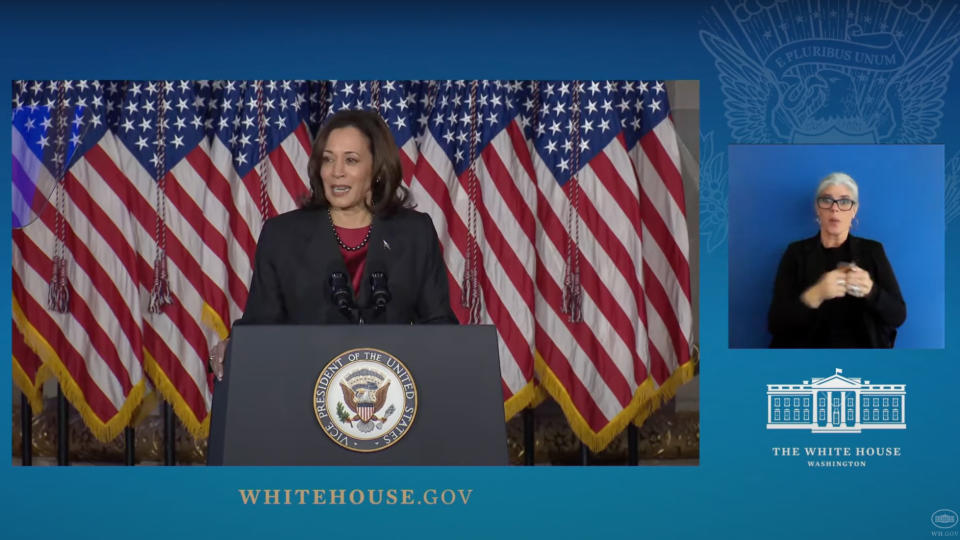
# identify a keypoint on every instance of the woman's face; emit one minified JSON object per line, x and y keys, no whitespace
{"x":833,"y":220}
{"x":347,"y":169}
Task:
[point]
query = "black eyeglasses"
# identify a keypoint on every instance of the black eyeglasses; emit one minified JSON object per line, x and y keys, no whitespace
{"x":843,"y":204}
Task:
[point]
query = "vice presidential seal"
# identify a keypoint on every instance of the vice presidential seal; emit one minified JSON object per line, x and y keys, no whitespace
{"x":365,"y":400}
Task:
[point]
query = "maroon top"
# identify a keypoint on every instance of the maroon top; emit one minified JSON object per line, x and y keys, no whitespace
{"x":354,"y":259}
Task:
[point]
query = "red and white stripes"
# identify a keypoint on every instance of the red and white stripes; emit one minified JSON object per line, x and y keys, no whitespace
{"x":631,"y":349}
{"x":505,"y":236}
{"x":101,"y":348}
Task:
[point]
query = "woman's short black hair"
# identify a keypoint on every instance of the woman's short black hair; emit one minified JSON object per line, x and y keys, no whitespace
{"x":388,"y":191}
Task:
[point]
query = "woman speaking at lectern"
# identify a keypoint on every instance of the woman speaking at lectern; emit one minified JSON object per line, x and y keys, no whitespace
{"x":355,"y":251}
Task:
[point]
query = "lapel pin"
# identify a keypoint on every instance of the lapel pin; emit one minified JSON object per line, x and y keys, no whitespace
{"x":386,"y":245}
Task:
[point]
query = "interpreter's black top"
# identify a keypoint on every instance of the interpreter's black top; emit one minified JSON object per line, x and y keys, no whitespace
{"x":845,"y":322}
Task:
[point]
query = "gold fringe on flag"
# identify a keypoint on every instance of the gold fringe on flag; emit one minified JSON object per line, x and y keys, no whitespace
{"x":669,"y":388}
{"x":521,"y":400}
{"x":540,"y":395}
{"x":199,"y":429}
{"x":212,"y":319}
{"x":646,"y":399}
{"x":149,"y":404}
{"x":33,"y":389}
{"x":103,"y":431}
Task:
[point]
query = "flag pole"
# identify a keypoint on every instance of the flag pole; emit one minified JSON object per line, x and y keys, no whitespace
{"x":169,"y":435}
{"x":129,"y":444}
{"x":633,"y":453}
{"x":529,"y":445}
{"x":26,"y":431}
{"x":63,"y":429}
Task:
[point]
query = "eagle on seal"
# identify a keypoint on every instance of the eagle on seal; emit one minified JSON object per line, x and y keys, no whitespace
{"x":365,"y":403}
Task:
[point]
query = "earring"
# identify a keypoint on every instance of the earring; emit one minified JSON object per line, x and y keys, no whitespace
{"x":379,"y":180}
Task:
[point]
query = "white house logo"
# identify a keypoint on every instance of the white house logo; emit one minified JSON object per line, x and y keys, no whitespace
{"x":944,"y":519}
{"x":836,"y":404}
{"x":365,"y":400}
{"x":865,"y":71}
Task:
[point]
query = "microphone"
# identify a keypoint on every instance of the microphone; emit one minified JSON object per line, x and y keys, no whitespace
{"x":340,"y":293}
{"x":379,"y":291}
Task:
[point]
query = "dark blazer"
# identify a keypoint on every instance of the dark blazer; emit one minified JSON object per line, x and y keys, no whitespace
{"x":793,"y":324}
{"x":297,"y":252}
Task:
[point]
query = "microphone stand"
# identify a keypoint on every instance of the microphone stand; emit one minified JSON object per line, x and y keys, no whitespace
{"x":379,"y":292}
{"x":341,"y":297}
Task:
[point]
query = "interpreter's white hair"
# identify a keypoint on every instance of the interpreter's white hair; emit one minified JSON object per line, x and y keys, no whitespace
{"x":839,"y":179}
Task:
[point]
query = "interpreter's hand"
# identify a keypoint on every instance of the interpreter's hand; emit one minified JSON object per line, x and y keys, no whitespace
{"x":832,"y":284}
{"x":217,"y":354}
{"x":859,"y":283}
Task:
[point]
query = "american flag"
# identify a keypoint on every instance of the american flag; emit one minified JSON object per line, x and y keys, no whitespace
{"x":199,"y":162}
{"x":561,"y":211}
{"x":473,"y":178}
{"x":558,"y":204}
{"x":611,"y":223}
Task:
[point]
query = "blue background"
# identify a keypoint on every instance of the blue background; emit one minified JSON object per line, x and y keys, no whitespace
{"x":739,"y":490}
{"x":901,"y":206}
